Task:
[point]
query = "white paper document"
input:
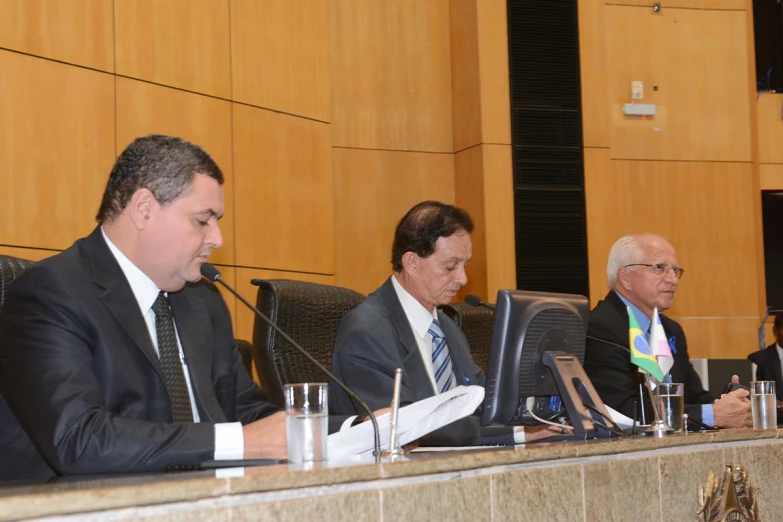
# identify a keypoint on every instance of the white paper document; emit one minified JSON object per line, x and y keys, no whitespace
{"x":414,"y":421}
{"x":623,"y":422}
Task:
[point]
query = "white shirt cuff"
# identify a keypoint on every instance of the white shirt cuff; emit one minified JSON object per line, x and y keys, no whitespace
{"x":229,"y":441}
{"x":519,"y":434}
{"x":347,"y":423}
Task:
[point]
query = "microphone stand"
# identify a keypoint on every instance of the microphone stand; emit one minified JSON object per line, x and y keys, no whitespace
{"x":212,"y":273}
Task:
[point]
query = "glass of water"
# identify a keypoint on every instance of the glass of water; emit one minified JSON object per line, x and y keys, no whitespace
{"x":671,"y":404}
{"x":762,"y":405}
{"x":307,"y":421}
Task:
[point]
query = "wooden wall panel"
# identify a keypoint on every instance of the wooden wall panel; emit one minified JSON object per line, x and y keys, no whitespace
{"x":283,"y":184}
{"x":245,"y":317}
{"x":73,"y":31}
{"x":493,"y":63}
{"x":484,"y":187}
{"x":499,"y":219}
{"x":144,"y":108}
{"x":769,"y":111}
{"x":594,"y":82}
{"x":465,"y":74}
{"x":372,"y":191}
{"x":599,"y":212}
{"x":280,"y":55}
{"x":720,"y":337}
{"x":391,"y":74}
{"x":713,"y":232}
{"x":31,"y":254}
{"x":56,"y":150}
{"x":469,"y":191}
{"x":479,"y":58}
{"x":693,"y":57}
{"x":181,"y":43}
{"x":771,"y":177}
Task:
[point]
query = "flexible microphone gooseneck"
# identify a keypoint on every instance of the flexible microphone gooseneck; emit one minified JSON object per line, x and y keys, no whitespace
{"x":209,"y":271}
{"x":474,"y":300}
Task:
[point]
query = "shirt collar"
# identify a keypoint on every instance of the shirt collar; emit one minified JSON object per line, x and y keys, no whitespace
{"x":144,"y":289}
{"x":780,"y":351}
{"x":419,"y":317}
{"x":641,"y":318}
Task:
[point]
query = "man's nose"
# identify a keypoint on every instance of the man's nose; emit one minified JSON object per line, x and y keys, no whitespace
{"x":215,"y":238}
{"x":462,"y":277}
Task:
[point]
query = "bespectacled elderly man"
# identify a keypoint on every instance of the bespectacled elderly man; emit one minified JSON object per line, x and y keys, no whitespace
{"x":643,"y":273}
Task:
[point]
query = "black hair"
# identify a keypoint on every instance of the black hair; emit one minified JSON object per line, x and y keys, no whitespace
{"x":163,"y":164}
{"x":420,"y":228}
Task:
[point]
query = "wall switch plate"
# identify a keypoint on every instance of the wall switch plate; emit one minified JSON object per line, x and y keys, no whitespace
{"x":639,"y":109}
{"x":637,"y":90}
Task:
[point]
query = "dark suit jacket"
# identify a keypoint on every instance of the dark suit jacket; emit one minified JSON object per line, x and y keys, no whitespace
{"x":376,"y":338}
{"x":80,"y":379}
{"x":768,"y":367}
{"x":617,"y":380}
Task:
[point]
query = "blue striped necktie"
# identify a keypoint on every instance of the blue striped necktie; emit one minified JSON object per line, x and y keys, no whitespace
{"x":441,"y":359}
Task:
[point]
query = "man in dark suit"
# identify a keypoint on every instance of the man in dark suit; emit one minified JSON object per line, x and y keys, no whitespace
{"x":399,"y":326}
{"x":115,"y":355}
{"x":767,"y":362}
{"x":643,"y":274}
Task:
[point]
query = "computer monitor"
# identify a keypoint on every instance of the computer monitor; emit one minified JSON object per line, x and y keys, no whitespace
{"x":527,"y":326}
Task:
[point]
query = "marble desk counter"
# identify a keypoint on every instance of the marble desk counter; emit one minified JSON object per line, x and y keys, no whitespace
{"x":215,"y":489}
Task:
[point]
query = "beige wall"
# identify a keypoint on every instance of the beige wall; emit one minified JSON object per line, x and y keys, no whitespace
{"x":691,"y":172}
{"x":329,"y":119}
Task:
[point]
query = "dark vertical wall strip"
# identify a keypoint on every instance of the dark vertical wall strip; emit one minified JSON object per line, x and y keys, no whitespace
{"x":546,"y":126}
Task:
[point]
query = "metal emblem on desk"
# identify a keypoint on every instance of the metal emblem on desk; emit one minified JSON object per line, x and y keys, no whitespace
{"x":730,"y":498}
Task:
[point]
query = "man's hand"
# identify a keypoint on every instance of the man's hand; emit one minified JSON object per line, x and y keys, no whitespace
{"x":265,"y":438}
{"x":733,"y":410}
{"x":542,"y":432}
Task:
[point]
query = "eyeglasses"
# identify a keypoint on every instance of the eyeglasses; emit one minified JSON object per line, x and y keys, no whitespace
{"x":661,"y":269}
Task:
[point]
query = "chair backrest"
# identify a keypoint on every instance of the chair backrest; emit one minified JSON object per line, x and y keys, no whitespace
{"x":10,"y":268}
{"x":476,"y":323}
{"x":310,"y":314}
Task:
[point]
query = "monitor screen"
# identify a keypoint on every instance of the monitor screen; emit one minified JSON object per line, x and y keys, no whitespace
{"x":526,"y":325}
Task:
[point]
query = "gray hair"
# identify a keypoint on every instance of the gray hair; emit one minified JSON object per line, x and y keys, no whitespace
{"x":625,"y":251}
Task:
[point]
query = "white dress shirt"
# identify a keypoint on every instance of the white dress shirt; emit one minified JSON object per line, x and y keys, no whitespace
{"x":229,"y":439}
{"x":420,"y":320}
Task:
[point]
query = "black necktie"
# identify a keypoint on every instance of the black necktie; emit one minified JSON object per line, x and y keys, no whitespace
{"x":170,"y":364}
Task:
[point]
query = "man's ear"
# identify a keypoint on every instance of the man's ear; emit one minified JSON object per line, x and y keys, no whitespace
{"x":624,"y":277}
{"x":410,"y":263}
{"x":140,"y":207}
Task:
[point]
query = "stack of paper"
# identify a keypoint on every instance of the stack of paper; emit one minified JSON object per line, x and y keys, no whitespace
{"x":414,"y":421}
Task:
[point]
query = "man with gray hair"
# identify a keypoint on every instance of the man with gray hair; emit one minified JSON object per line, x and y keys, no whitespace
{"x":642,"y":274}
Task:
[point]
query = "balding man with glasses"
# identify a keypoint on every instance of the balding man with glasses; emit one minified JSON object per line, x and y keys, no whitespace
{"x":643,"y":274}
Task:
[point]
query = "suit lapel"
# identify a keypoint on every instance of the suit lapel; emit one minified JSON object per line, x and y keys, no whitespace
{"x":196,"y":335}
{"x":118,"y":296}
{"x":774,"y":361}
{"x":412,"y":362}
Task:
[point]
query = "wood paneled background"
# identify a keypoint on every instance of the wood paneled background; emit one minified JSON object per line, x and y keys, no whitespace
{"x":330,"y":118}
{"x":691,"y":173}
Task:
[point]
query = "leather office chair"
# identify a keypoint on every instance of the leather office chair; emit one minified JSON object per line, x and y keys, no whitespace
{"x":476,"y":323}
{"x":310,"y":314}
{"x":10,"y":268}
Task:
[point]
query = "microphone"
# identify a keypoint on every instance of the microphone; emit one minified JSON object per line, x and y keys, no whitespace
{"x":209,"y":271}
{"x":610,"y":343}
{"x":474,"y":300}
